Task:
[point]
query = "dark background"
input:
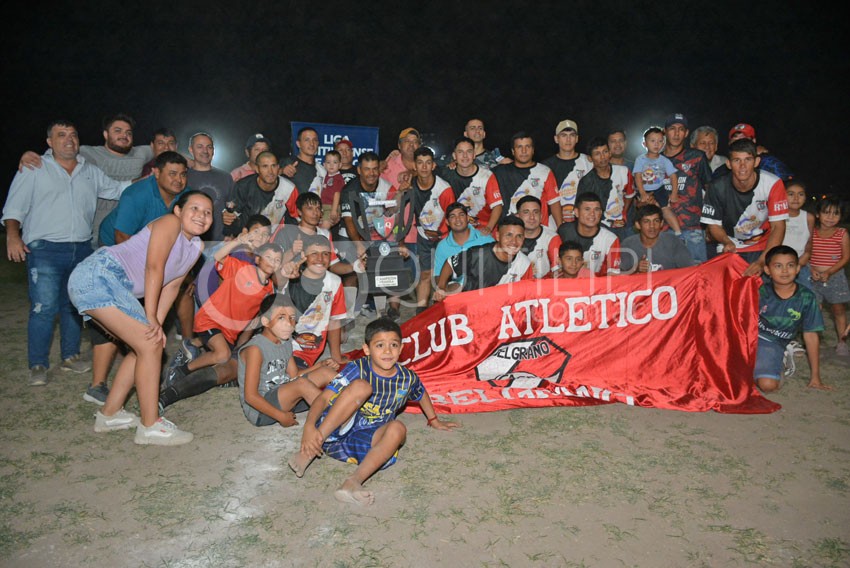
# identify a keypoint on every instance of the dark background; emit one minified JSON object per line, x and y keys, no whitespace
{"x":235,"y":70}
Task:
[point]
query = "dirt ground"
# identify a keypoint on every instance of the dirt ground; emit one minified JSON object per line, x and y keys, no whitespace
{"x":599,"y":486}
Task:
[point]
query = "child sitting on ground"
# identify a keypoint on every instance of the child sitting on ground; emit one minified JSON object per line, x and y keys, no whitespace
{"x":830,"y":254}
{"x":785,"y":307}
{"x":650,"y":171}
{"x":354,"y":419}
{"x":224,"y":316}
{"x":270,"y":383}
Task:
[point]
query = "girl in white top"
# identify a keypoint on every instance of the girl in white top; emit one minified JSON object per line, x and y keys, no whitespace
{"x":799,"y":227}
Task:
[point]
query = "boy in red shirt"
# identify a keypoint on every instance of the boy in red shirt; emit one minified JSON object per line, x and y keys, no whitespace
{"x":229,"y":310}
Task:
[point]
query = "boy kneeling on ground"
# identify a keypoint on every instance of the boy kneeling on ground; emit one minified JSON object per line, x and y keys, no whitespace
{"x":785,"y":307}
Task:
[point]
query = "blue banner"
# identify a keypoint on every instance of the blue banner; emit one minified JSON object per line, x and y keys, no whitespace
{"x":363,"y":138}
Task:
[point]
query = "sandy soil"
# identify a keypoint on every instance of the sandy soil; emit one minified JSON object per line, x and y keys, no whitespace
{"x":598,"y":486}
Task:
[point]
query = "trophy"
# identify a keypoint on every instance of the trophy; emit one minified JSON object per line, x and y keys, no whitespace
{"x":383,"y":226}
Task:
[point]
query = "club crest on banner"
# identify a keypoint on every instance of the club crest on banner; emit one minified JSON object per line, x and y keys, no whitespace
{"x":523,"y":363}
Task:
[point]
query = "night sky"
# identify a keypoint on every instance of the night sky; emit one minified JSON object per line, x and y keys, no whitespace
{"x":248,"y":68}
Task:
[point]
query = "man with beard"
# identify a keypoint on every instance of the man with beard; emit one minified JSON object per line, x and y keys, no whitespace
{"x":526,"y":177}
{"x":117,"y":158}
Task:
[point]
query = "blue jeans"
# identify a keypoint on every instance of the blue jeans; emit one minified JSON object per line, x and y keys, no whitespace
{"x":694,"y":239}
{"x":48,"y":266}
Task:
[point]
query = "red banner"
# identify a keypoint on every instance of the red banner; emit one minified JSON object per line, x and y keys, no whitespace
{"x":680,"y":339}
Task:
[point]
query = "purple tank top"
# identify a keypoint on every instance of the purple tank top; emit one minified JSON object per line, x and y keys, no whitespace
{"x":133,"y":252}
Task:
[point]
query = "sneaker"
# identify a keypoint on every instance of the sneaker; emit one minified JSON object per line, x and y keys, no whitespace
{"x":788,"y":363}
{"x":796,"y":348}
{"x":121,"y":420}
{"x":38,"y":376}
{"x":190,"y":351}
{"x":163,"y":432}
{"x":368,"y":312}
{"x":393,"y":314}
{"x":97,"y":394}
{"x":842,"y":350}
{"x":169,"y":376}
{"x":75,"y":365}
{"x":229,"y":384}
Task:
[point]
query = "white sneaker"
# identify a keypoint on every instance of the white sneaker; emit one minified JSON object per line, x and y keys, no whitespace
{"x":796,"y":348}
{"x":121,"y":420}
{"x":163,"y":432}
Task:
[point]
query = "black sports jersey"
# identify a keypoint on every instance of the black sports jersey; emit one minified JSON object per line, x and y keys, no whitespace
{"x":479,"y":267}
{"x":303,"y":292}
{"x":250,"y":199}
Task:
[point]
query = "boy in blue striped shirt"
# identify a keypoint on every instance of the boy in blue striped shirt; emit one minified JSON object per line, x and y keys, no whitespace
{"x":353,"y":420}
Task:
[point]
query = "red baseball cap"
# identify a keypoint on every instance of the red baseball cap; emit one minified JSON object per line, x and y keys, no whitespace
{"x":746,"y":129}
{"x":345,"y":141}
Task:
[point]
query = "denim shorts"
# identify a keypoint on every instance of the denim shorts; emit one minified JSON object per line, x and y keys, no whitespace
{"x":769,"y":360}
{"x":835,"y":290}
{"x":101,"y":282}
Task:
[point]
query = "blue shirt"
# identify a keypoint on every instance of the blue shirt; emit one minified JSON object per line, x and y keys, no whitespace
{"x":56,"y":206}
{"x":389,"y":394}
{"x":448,"y":247}
{"x":653,"y":171}
{"x":140,"y":204}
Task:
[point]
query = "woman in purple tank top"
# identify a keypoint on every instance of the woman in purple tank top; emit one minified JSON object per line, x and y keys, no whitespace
{"x":106,"y":287}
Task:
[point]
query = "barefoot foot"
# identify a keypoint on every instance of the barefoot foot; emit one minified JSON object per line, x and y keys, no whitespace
{"x":299,"y":462}
{"x":352,"y":492}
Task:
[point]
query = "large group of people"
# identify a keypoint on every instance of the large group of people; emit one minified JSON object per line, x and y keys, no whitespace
{"x":262,"y":266}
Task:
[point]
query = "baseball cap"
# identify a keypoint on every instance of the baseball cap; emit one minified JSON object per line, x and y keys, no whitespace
{"x":346,"y":142}
{"x":564,"y":124}
{"x":676,"y":118}
{"x":254,"y":138}
{"x":747,"y":130}
{"x":407,"y":132}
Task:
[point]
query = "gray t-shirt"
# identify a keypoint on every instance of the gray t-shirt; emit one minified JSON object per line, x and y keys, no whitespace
{"x":272,"y":372}
{"x":668,"y":252}
{"x":127,"y":167}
